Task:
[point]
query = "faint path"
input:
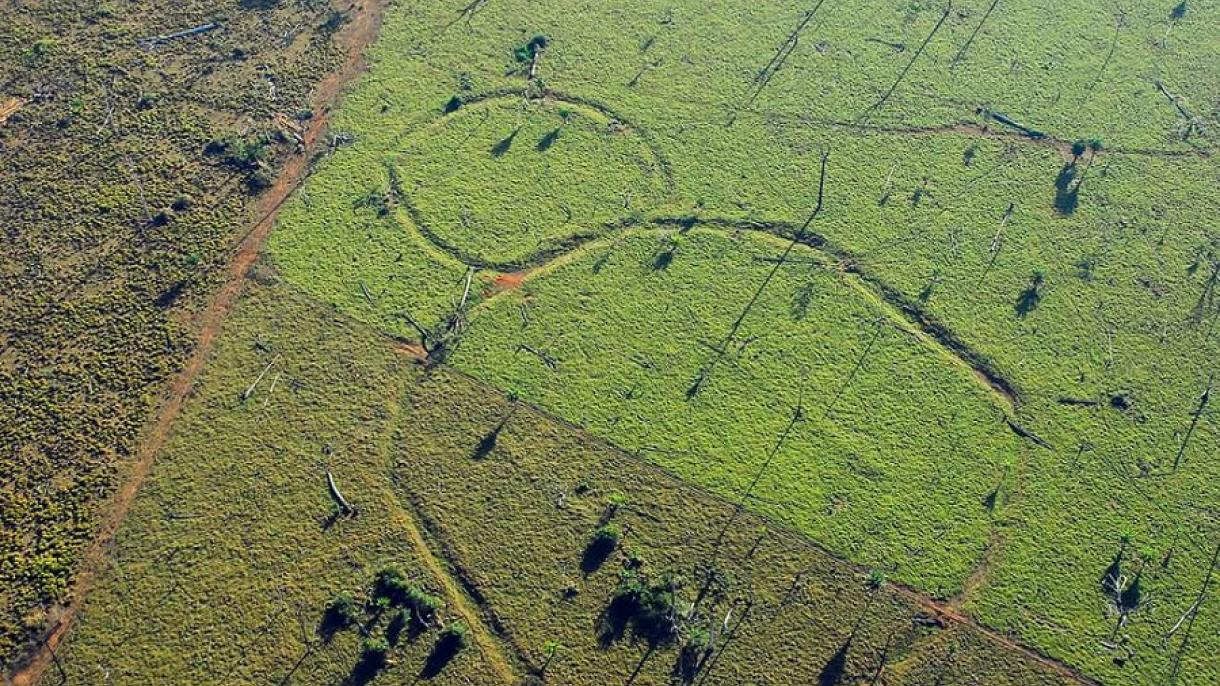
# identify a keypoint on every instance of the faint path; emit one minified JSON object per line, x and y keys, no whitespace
{"x":440,"y":569}
{"x":980,"y":574}
{"x":358,"y":33}
{"x":461,"y":604}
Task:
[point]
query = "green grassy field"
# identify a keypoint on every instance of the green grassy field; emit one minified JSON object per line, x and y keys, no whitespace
{"x":226,"y":565}
{"x":224,"y":570}
{"x":1082,"y":278}
{"x":896,"y":450}
{"x":981,"y":368}
{"x":778,"y":610}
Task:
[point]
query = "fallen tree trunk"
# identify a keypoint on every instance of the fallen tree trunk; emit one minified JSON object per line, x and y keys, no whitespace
{"x":344,"y":506}
{"x":152,"y":41}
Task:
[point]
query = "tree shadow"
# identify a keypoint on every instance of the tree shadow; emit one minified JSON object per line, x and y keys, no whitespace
{"x":488,"y":442}
{"x":1130,"y":598}
{"x":499,"y":149}
{"x":832,"y":673}
{"x":397,"y":626}
{"x":1109,"y":577}
{"x":689,"y":663}
{"x":331,"y":623}
{"x":548,"y":140}
{"x":447,"y":647}
{"x":595,"y":555}
{"x":1029,"y":298}
{"x":366,"y":669}
{"x":663,"y":259}
{"x":1067,"y":195}
{"x":1027,"y":302}
{"x":613,"y":622}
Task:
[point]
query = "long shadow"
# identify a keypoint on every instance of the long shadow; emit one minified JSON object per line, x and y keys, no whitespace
{"x":1190,"y":625}
{"x":1067,"y":195}
{"x":614,"y":620}
{"x":902,"y":75}
{"x":446,"y":648}
{"x":331,"y":623}
{"x":1029,"y":298}
{"x":595,"y":555}
{"x":722,"y":349}
{"x":488,"y":442}
{"x":548,"y":140}
{"x":501,"y":148}
{"x":973,"y":34}
{"x":367,"y":669}
{"x":1027,"y":302}
{"x":832,"y":672}
{"x":785,"y":50}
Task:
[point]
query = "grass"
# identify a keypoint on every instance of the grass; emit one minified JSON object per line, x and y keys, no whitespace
{"x":102,"y":263}
{"x":639,"y":233}
{"x":498,"y":181}
{"x":935,"y":202}
{"x":234,"y":549}
{"x":228,"y":567}
{"x":630,"y":342}
{"x":789,"y":607}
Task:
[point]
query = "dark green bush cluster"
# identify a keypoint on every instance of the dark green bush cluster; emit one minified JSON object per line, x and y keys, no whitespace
{"x":607,"y":536}
{"x":247,"y":154}
{"x":526,"y":51}
{"x":343,"y":611}
{"x":414,"y":612}
{"x":391,"y":589}
{"x":695,"y":651}
{"x":377,"y":201}
{"x":649,"y":607}
{"x":243,"y":153}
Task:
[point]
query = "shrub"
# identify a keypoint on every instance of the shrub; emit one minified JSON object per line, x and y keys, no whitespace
{"x":650,"y":608}
{"x":527,"y":51}
{"x":876,"y":579}
{"x":343,"y":610}
{"x":607,"y":536}
{"x":374,"y":646}
{"x":374,"y":653}
{"x":690,"y":659}
{"x":457,"y":634}
{"x":423,"y":605}
{"x":615,"y":500}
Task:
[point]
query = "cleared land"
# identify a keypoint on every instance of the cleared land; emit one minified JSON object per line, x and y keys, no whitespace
{"x":237,"y":508}
{"x":1060,"y":494}
{"x":757,"y":342}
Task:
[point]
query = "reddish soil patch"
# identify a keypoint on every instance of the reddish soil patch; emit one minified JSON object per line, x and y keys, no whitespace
{"x":507,"y":282}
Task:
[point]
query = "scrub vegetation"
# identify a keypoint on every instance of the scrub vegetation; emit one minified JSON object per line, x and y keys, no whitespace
{"x":137,"y":143}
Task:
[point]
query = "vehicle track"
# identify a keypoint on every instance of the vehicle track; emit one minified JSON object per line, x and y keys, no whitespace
{"x":359,"y":32}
